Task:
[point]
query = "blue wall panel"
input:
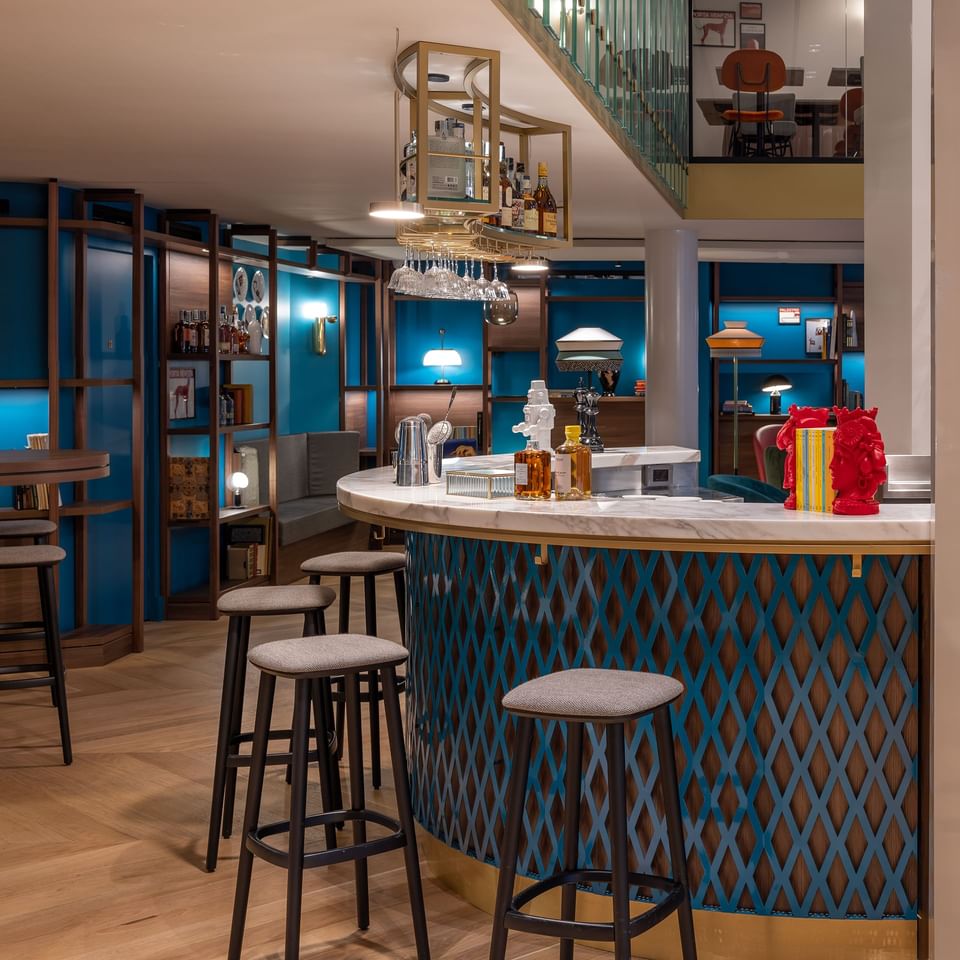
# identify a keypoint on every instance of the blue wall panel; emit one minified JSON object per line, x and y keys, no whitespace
{"x":505,"y":415}
{"x":418,"y":325}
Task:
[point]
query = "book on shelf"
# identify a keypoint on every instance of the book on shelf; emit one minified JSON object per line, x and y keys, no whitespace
{"x":254,"y":536}
{"x":740,"y":406}
{"x":242,"y":396}
{"x":35,"y":497}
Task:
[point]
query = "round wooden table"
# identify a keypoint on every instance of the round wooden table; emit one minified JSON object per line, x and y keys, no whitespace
{"x":28,"y":467}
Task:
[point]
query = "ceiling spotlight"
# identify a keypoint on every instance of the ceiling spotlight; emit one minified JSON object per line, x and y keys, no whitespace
{"x":533,"y":265}
{"x":396,"y":210}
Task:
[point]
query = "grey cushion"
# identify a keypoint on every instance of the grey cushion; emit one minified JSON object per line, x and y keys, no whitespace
{"x":329,"y":656}
{"x":276,"y":600}
{"x":292,"y":467}
{"x":601,"y":696}
{"x":354,"y":563}
{"x":307,"y":517}
{"x":26,"y":528}
{"x":330,"y":456}
{"x":41,"y":555}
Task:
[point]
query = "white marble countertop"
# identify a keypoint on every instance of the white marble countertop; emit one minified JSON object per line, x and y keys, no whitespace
{"x":372,"y":495}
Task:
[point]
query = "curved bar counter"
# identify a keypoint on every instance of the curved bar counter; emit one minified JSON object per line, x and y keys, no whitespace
{"x":799,"y":639}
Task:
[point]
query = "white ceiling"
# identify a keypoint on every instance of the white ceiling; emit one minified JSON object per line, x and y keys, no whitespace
{"x":279,"y":113}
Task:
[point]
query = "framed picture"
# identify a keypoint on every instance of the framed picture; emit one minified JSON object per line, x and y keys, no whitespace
{"x":789,"y":316}
{"x":753,"y":36}
{"x":751,"y":11}
{"x":714,"y":28}
{"x":817,"y":329}
{"x":181,"y":393}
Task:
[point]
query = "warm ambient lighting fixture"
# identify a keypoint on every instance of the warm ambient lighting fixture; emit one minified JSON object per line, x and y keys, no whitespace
{"x":735,"y":342}
{"x":396,"y":210}
{"x":239,"y":482}
{"x":532,"y":265}
{"x":442,"y":358}
{"x":317,"y":312}
{"x":775,"y":385}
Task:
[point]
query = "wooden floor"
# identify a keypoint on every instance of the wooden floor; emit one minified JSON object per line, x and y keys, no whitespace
{"x":103,"y":860}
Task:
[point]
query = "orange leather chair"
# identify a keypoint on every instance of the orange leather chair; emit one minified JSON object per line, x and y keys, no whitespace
{"x":766,"y":436}
{"x":752,"y":71}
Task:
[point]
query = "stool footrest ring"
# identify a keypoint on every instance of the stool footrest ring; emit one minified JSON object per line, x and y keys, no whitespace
{"x":257,"y":845}
{"x":581,"y":929}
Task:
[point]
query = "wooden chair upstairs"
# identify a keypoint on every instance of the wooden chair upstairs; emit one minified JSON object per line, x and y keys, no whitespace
{"x":753,"y":71}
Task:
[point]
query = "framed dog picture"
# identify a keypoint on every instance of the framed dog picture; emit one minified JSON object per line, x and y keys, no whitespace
{"x":714,"y":28}
{"x":751,"y":11}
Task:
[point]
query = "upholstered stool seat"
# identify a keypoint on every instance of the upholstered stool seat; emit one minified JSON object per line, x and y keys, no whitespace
{"x":354,"y":563}
{"x":610,"y":698}
{"x":592,"y":696}
{"x":10,"y":529}
{"x":310,"y":661}
{"x":36,"y":555}
{"x":241,"y":605}
{"x":327,"y":657}
{"x":276,"y":601}
{"x":368,"y":564}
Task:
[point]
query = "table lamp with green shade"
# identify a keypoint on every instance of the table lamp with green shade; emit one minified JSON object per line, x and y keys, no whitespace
{"x":735,"y":342}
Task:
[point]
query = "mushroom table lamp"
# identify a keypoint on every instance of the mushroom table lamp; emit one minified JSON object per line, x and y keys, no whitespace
{"x":775,"y":385}
{"x":442,"y":358}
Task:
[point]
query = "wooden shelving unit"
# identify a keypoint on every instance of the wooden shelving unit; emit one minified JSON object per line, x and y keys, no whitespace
{"x":91,"y":643}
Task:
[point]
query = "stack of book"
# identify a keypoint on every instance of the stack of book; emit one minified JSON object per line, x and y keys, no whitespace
{"x":740,"y":406}
{"x":242,"y":396}
{"x":36,"y":497}
{"x":247,"y":549}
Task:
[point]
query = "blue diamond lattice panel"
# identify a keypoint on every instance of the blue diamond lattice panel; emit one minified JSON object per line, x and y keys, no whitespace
{"x":797,"y":737}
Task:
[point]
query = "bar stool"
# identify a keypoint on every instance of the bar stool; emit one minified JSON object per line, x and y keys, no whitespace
{"x":368,"y":564}
{"x":43,"y":558}
{"x":609,"y":698}
{"x":306,"y":662}
{"x":36,"y":530}
{"x":241,"y":605}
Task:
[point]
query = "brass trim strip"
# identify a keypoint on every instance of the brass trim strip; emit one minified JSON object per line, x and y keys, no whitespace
{"x":720,"y":936}
{"x":814,"y":547}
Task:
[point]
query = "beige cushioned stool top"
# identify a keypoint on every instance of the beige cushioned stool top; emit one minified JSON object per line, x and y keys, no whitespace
{"x":601,"y":696}
{"x":354,"y":562}
{"x":273,"y":601}
{"x":42,"y":555}
{"x":329,"y":656}
{"x":26,"y":528}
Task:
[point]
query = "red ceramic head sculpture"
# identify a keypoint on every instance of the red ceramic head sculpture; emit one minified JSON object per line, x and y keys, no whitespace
{"x":859,"y":464}
{"x":801,"y":418}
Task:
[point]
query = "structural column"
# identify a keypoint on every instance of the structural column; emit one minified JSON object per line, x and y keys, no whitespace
{"x":672,"y":330}
{"x":896,"y":219}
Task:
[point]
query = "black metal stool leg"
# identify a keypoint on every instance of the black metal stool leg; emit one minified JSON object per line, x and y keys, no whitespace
{"x":400,"y":588}
{"x":252,"y":813}
{"x":298,"y":812}
{"x":344,"y":604}
{"x":617,"y":831}
{"x":47,"y":645}
{"x":323,"y":760}
{"x":373,"y":692}
{"x":236,"y":721}
{"x":223,"y":743}
{"x":571,"y":827}
{"x":327,"y":701}
{"x":355,"y":746}
{"x":51,"y":628}
{"x":401,"y":783}
{"x":341,"y":723}
{"x":670,"y":792}
{"x":510,"y":844}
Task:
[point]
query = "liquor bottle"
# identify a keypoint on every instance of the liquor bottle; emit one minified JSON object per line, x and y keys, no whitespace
{"x":195,"y":331}
{"x":408,"y":169}
{"x":546,"y":205}
{"x":571,"y":467}
{"x":223,"y":331}
{"x":531,"y":472}
{"x":516,"y":221}
{"x":204,"y":332}
{"x":506,"y":196}
{"x":178,"y":334}
{"x":531,"y":216}
{"x":518,"y":180}
{"x":244,"y":334}
{"x":235,"y":332}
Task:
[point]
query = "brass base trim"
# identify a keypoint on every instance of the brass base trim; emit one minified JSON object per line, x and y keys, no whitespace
{"x":893,"y":548}
{"x":720,"y":936}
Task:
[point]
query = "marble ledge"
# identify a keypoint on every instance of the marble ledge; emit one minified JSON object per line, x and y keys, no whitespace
{"x":374,"y":495}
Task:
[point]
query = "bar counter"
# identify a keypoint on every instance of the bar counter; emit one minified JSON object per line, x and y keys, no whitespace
{"x":800,"y":639}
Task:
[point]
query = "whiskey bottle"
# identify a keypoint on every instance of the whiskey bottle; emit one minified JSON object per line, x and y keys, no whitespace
{"x":531,"y":472}
{"x":195,"y":331}
{"x":546,"y":205}
{"x":235,"y":332}
{"x":531,"y":216}
{"x":223,"y":331}
{"x":506,"y":197}
{"x":178,"y":334}
{"x":571,"y":467}
{"x":204,"y":332}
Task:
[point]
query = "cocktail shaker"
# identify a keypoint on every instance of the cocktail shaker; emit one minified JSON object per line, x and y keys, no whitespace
{"x":412,"y":467}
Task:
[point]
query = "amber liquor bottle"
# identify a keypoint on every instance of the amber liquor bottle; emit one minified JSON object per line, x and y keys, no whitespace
{"x":572,"y":467}
{"x":531,"y":472}
{"x":546,"y":205}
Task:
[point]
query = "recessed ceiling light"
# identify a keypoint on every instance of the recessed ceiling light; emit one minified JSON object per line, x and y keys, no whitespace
{"x":438,"y":77}
{"x":533,"y":265}
{"x":396,"y":210}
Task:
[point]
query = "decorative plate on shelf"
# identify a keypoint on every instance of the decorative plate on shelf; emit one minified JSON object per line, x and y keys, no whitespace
{"x":249,"y":314}
{"x":258,"y":286}
{"x":240,"y":284}
{"x":265,"y":322}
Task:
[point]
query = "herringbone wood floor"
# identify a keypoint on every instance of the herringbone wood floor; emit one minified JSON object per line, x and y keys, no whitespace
{"x":102,"y":860}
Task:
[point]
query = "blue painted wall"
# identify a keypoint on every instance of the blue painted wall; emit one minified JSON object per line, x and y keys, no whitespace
{"x":418,"y":324}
